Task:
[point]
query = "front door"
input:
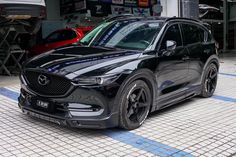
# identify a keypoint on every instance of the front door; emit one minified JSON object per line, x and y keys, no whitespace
{"x":172,"y":69}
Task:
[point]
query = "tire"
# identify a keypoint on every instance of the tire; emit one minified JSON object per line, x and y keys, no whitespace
{"x":135,"y":102}
{"x":209,"y":81}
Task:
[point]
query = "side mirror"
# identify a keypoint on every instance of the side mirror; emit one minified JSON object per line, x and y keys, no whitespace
{"x":171,"y":45}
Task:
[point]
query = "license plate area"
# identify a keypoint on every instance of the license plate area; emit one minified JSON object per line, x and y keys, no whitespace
{"x":42,"y":104}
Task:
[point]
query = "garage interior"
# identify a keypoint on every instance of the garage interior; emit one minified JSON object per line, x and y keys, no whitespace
{"x":193,"y":128}
{"x":89,"y":13}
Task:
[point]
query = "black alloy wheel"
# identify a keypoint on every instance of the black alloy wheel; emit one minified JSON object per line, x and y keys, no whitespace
{"x":210,"y":81}
{"x":135,"y":105}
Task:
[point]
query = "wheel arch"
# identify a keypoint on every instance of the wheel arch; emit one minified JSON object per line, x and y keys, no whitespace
{"x":212,"y":59}
{"x":145,"y":75}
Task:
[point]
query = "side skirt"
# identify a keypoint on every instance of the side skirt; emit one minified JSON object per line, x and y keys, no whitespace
{"x":182,"y":96}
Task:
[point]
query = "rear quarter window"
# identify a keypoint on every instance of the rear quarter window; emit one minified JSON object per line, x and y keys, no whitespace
{"x":205,"y":35}
{"x":209,"y":36}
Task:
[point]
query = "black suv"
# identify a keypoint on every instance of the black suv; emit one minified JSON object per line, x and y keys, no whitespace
{"x":121,"y":71}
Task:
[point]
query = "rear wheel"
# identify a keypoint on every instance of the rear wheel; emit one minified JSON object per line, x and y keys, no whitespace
{"x":135,"y":104}
{"x":209,"y":81}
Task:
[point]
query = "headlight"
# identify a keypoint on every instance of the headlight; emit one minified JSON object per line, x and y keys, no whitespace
{"x":96,"y":80}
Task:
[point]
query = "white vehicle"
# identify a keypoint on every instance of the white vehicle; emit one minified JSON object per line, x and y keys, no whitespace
{"x":27,"y":13}
{"x":204,"y":9}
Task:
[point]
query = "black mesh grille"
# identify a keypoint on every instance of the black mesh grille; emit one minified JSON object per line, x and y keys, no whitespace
{"x":56,"y":86}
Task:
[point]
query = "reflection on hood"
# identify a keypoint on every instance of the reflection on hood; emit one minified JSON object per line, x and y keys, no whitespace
{"x":67,"y":60}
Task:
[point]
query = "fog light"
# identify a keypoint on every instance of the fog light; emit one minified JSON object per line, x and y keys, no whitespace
{"x":77,"y":107}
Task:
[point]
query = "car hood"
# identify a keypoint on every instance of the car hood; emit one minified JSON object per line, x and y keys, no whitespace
{"x":75,"y":60}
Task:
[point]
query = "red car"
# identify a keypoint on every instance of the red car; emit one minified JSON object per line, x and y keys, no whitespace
{"x":59,"y":38}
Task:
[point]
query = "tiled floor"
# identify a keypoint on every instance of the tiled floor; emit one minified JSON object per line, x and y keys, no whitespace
{"x":197,"y":127}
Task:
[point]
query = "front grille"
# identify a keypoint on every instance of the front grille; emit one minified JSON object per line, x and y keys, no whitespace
{"x":56,"y":86}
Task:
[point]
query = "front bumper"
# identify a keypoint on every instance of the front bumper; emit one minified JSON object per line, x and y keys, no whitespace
{"x":74,"y":122}
{"x":104,"y":117}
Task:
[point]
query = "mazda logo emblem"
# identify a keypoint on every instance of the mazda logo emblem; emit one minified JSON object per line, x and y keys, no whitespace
{"x":43,"y":80}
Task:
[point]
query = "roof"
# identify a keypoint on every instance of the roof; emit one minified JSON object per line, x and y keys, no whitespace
{"x":164,"y":19}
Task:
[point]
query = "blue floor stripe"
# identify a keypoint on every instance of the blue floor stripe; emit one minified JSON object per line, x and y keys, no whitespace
{"x":227,"y":74}
{"x":223,"y":98}
{"x":132,"y":139}
{"x":126,"y":137}
{"x":145,"y":144}
{"x":9,"y":94}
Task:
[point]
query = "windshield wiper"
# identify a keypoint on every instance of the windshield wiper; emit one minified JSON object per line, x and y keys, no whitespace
{"x":107,"y":47}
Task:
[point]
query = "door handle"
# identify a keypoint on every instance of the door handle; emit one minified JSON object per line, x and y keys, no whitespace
{"x":185,"y":58}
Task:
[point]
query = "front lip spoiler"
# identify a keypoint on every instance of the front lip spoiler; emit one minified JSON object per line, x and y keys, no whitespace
{"x":44,"y":117}
{"x":74,"y":122}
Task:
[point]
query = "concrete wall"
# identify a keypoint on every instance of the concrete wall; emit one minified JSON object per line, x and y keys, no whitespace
{"x":190,"y":9}
{"x":170,"y":8}
{"x":53,"y":21}
{"x":232,"y":12}
{"x":53,"y":10}
{"x":180,"y":8}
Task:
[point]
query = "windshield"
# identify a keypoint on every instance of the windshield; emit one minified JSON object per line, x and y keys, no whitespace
{"x":127,"y":34}
{"x":89,"y":37}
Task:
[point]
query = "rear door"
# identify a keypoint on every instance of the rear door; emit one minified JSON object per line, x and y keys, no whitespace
{"x":172,"y":69}
{"x":193,"y":42}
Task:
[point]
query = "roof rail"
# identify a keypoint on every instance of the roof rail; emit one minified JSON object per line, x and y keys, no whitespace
{"x":182,"y":18}
{"x":118,"y":17}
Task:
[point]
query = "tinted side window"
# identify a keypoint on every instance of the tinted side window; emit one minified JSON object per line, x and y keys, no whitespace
{"x":172,"y":33}
{"x":67,"y":35}
{"x":202,"y":34}
{"x":209,"y":36}
{"x":191,"y":34}
{"x":54,"y":37}
{"x":61,"y":36}
{"x":205,"y":35}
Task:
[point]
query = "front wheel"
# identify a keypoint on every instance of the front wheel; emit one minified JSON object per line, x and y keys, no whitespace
{"x":135,"y":102}
{"x":209,"y":81}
